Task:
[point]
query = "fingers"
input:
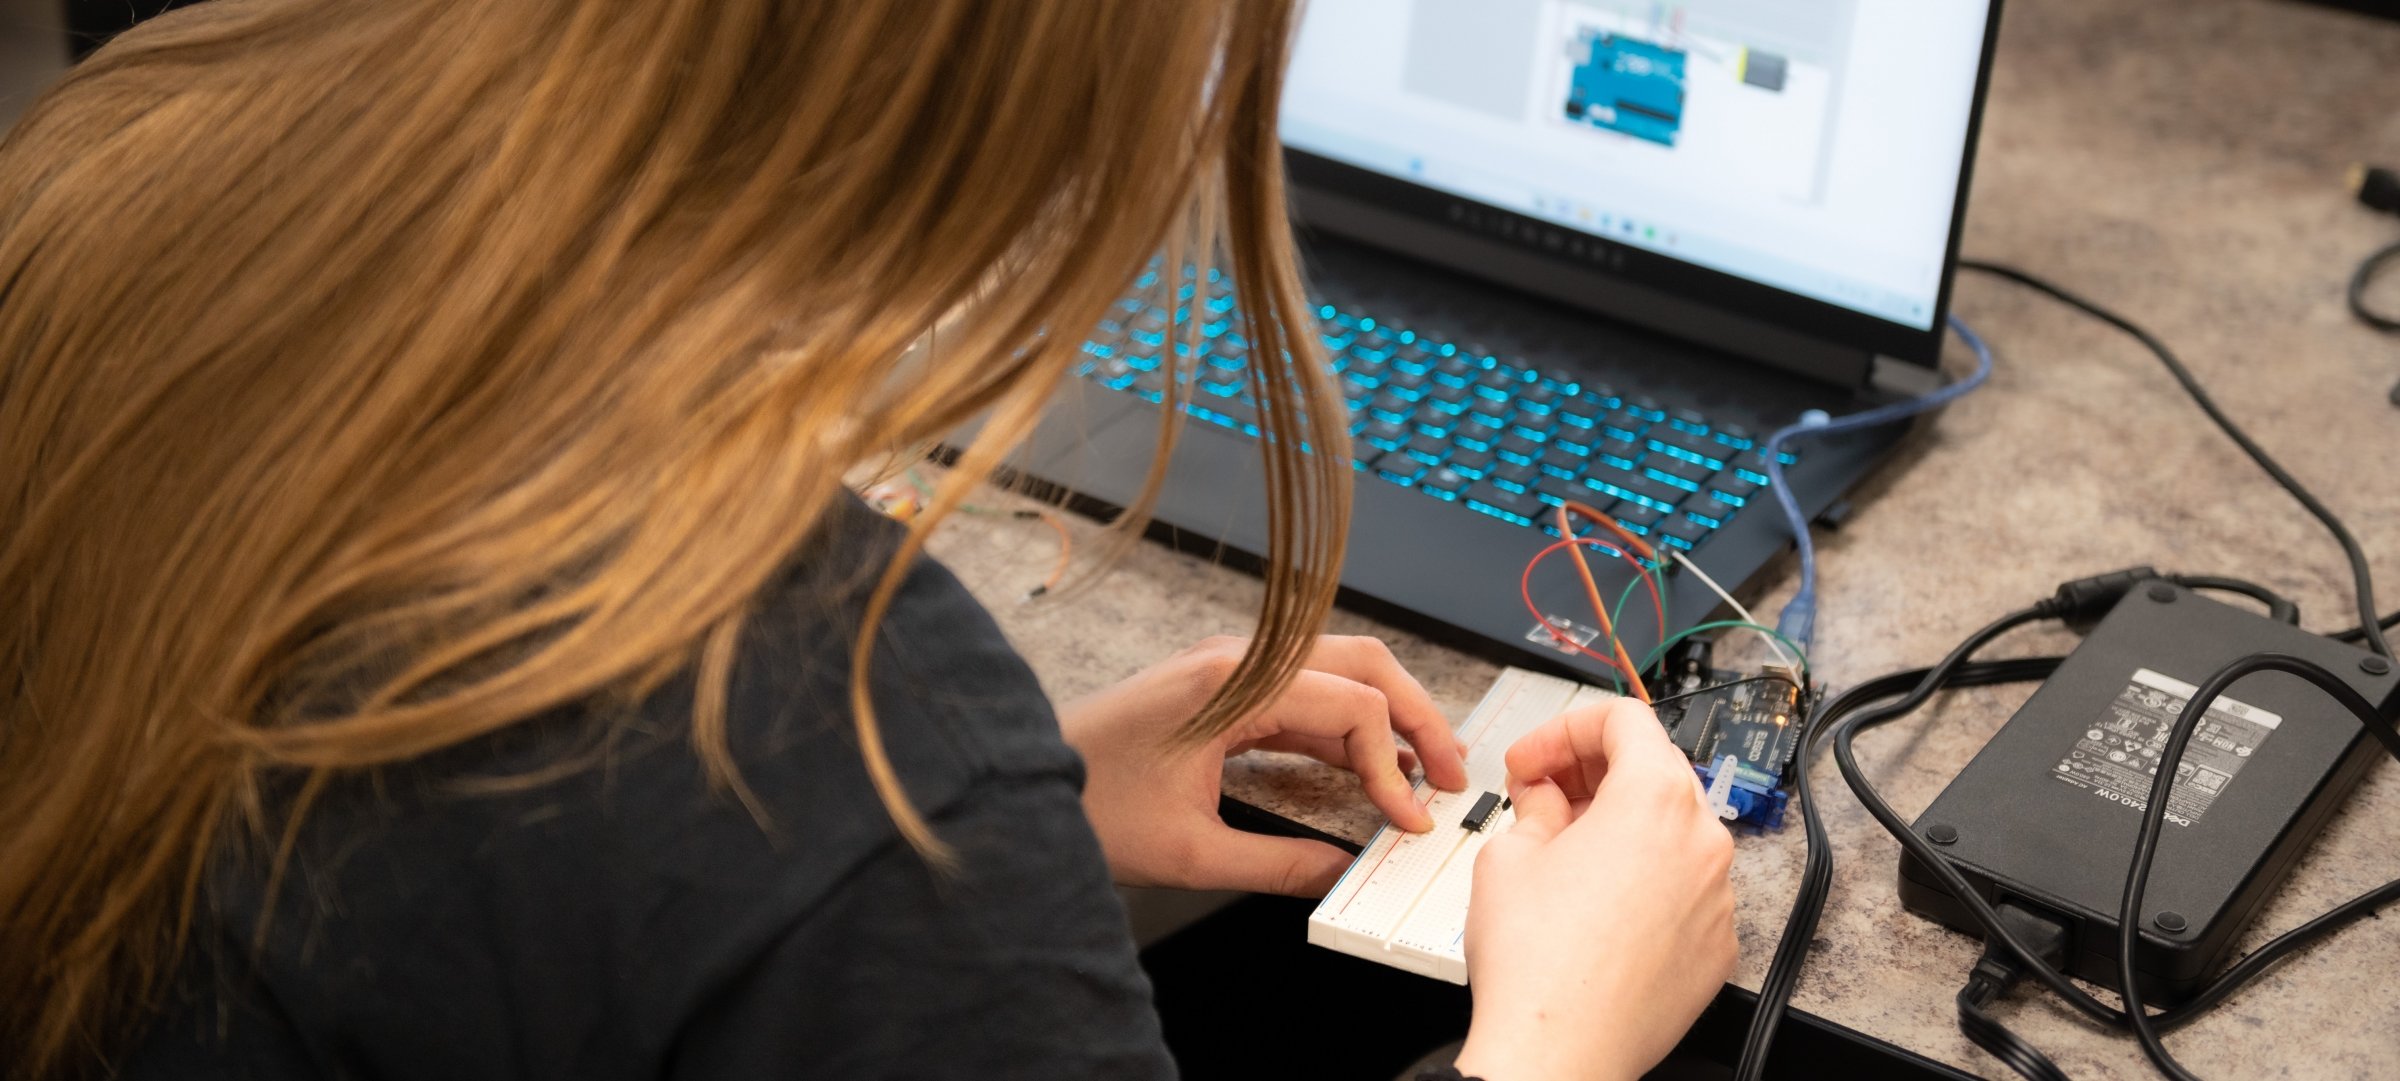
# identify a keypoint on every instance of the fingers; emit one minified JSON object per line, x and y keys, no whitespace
{"x":1578,"y":747}
{"x":1542,"y":811}
{"x":1413,"y":714}
{"x":1565,"y":748}
{"x":1332,"y":752}
{"x":1357,"y":716}
{"x":1227,"y":858}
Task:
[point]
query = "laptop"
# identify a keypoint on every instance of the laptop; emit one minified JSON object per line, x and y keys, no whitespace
{"x":1588,"y":250}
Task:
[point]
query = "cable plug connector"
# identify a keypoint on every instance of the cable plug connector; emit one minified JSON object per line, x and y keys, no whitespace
{"x":2084,"y":600}
{"x":2279,"y":607}
{"x":1999,"y":968}
{"x":2377,"y":187}
{"x":1798,"y":620}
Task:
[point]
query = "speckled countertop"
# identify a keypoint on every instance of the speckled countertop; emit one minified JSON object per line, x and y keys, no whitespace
{"x":2180,"y":161}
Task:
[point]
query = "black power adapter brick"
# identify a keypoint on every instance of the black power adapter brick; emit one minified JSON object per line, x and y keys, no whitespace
{"x":2047,"y":813}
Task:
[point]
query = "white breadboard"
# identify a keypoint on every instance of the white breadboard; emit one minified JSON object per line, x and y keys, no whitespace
{"x":1404,"y":901}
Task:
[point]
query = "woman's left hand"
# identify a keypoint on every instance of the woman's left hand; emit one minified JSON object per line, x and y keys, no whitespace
{"x":1153,"y":797}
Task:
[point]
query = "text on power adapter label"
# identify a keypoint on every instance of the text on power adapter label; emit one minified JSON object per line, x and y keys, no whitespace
{"x":2117,"y":758}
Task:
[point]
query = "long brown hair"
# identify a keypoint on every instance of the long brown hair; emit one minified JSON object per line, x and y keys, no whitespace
{"x":377,"y":376}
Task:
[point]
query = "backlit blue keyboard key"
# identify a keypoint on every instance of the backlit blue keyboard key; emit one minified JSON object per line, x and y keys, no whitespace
{"x":1492,"y":434}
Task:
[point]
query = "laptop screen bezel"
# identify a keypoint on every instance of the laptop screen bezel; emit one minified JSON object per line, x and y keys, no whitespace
{"x":1605,"y":262}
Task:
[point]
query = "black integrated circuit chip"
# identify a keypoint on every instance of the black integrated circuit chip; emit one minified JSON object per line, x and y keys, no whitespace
{"x":1487,"y":807}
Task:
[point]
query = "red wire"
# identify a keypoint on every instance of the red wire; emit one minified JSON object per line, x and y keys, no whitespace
{"x":1525,"y":590}
{"x":1591,"y":592}
{"x":1633,"y":545}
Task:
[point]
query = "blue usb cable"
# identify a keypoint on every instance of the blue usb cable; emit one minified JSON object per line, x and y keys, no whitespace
{"x":1799,"y":619}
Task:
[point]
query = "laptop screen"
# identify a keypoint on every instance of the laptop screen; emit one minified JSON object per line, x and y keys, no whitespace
{"x":1809,"y":146}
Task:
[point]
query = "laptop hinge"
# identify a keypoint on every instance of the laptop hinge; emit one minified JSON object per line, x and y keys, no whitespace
{"x":1591,"y":290}
{"x":1891,"y":377}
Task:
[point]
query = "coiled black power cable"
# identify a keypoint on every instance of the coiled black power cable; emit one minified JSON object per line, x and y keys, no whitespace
{"x":2359,"y":633}
{"x":2279,"y":608}
{"x":1988,"y":1033}
{"x":1995,"y":973}
{"x":2364,"y":276}
{"x":2377,"y":188}
{"x":2361,"y":575}
{"x":2145,"y":847}
{"x":1998,"y":935}
{"x":1892,"y":697}
{"x":1915,"y":687}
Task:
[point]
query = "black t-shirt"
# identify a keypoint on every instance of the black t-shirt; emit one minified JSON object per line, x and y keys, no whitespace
{"x":628,"y":921}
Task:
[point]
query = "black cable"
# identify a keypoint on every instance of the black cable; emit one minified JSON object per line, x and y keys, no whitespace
{"x":2145,"y":846}
{"x":2278,"y":948}
{"x":1715,"y":687}
{"x":2364,"y":277}
{"x":2377,"y":188}
{"x":1845,"y":756}
{"x":1791,"y":952}
{"x":1995,"y":973}
{"x":2369,"y":632}
{"x":1816,"y":875}
{"x":1800,"y":929}
{"x":2359,"y":633}
{"x":2279,"y":607}
{"x":2242,"y":972}
{"x":1807,"y":908}
{"x":2361,"y":574}
{"x":1999,"y":937}
{"x":1783,"y":972}
{"x":1988,"y":1033}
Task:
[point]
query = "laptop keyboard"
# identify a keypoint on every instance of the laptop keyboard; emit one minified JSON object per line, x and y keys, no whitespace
{"x":1492,"y":435}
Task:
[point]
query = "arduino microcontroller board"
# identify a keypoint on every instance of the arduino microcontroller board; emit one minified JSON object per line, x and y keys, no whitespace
{"x":1740,"y":729}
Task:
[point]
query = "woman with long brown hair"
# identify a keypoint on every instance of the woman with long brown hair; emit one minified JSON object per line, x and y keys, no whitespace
{"x":436,"y":640}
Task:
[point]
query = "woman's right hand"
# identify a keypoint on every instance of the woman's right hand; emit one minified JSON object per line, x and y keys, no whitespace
{"x":1602,"y":922}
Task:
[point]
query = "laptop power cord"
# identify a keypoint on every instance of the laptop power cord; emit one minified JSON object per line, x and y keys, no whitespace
{"x":2025,"y":943}
{"x":2370,"y":626}
{"x":1996,"y":973}
{"x":2377,"y":188}
{"x":1978,"y":873}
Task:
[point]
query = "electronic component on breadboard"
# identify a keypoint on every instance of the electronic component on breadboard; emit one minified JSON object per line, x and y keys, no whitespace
{"x":1487,"y":807}
{"x":1403,"y":902}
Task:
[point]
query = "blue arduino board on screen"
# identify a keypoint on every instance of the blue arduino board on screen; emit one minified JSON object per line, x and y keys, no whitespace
{"x":1629,"y":86}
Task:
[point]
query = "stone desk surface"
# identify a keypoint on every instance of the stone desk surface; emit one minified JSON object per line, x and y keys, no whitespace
{"x":2181,"y":162}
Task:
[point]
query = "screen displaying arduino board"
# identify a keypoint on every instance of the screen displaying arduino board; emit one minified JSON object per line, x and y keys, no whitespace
{"x":1812,"y":146}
